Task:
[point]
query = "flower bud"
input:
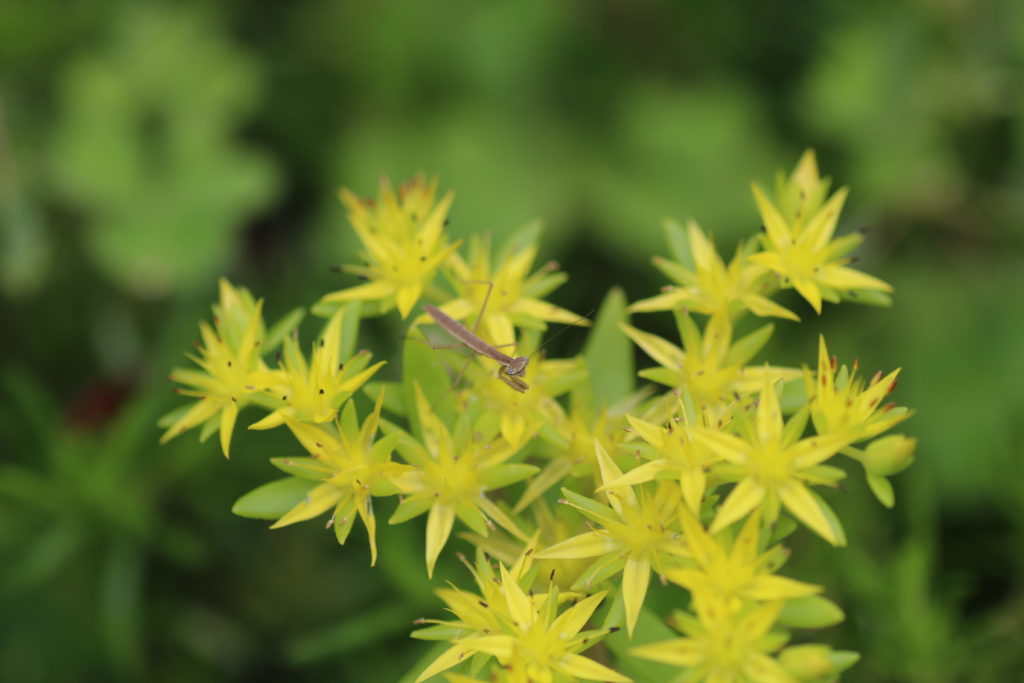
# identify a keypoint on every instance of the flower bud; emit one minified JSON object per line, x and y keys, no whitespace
{"x":814,"y":662}
{"x":889,"y":455}
{"x":807,"y":662}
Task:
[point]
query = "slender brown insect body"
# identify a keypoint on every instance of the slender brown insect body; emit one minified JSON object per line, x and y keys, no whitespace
{"x":512,"y":369}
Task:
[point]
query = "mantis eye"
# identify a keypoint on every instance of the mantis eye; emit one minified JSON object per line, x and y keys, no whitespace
{"x":517,"y":366}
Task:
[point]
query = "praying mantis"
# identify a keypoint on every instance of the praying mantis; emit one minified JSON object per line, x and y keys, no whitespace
{"x":512,"y":369}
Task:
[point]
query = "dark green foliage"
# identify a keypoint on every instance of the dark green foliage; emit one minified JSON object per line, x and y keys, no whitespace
{"x":146,"y":148}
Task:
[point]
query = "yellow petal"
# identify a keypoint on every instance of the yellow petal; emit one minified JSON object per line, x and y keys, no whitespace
{"x":799,"y":501}
{"x":571,"y":621}
{"x":693,"y":483}
{"x":227,"y":426}
{"x":818,"y":231}
{"x":817,"y":449}
{"x":500,"y":646}
{"x":744,"y":548}
{"x":764,"y":307}
{"x":770,"y":587}
{"x":200,"y":412}
{"x":447,"y":660}
{"x":677,"y":297}
{"x":370,"y":522}
{"x":700,"y":544}
{"x":500,"y":331}
{"x":520,"y":606}
{"x":774,"y":224}
{"x":726,"y":446}
{"x":610,"y":472}
{"x":542,"y":310}
{"x":746,"y":496}
{"x":407,"y":297}
{"x":682,"y":652}
{"x":433,"y":226}
{"x":319,"y":499}
{"x":651,"y":433}
{"x":809,"y":291}
{"x":636,"y":576}
{"x":705,"y":257}
{"x":806,"y":175}
{"x":588,"y":544}
{"x":769,"y":414}
{"x":499,"y":516}
{"x":368,"y":291}
{"x":638,"y":475}
{"x":513,"y":426}
{"x":439,"y":527}
{"x":353,"y":383}
{"x":841,"y":277}
{"x":665,"y":353}
{"x":518,"y":265}
{"x":579,"y":666}
{"x":274,"y":419}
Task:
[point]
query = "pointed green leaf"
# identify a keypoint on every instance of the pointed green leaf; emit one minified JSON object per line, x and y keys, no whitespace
{"x":745,"y":348}
{"x":882,"y":488}
{"x":678,"y":243}
{"x":609,"y":354}
{"x":303,"y":468}
{"x":812,"y":611}
{"x":281,"y":329}
{"x":273,"y":499}
{"x":425,"y":366}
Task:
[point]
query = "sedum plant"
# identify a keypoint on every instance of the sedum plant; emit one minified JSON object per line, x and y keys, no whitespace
{"x":579,"y":491}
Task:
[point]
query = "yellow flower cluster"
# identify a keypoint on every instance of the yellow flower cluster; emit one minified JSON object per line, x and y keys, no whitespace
{"x":580,"y":486}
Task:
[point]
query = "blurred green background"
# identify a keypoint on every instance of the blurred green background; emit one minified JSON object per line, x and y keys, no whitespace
{"x":147,"y":148}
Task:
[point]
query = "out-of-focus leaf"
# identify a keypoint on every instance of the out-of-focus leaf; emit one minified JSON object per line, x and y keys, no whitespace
{"x":426,"y":366}
{"x":678,"y":242}
{"x":666,"y":169}
{"x":649,"y":629}
{"x":525,"y":236}
{"x":279,"y":330}
{"x":144,"y":149}
{"x":609,"y":353}
{"x":350,"y":329}
{"x":120,"y":602}
{"x":362,"y":630}
{"x":24,"y":247}
{"x":45,"y":557}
